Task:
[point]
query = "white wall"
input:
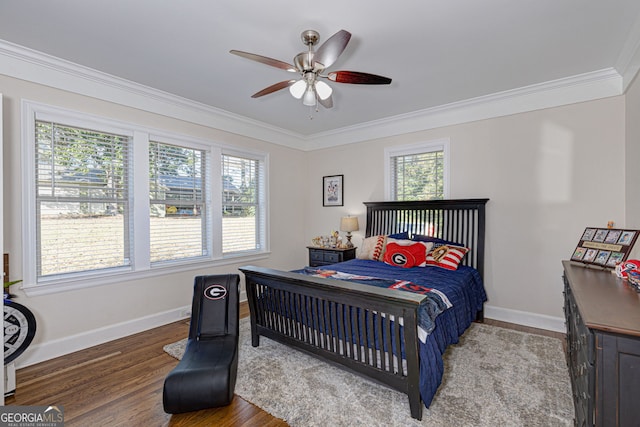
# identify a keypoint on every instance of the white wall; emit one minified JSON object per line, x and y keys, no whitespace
{"x":549,"y":174}
{"x":632,"y":154}
{"x":71,"y":320}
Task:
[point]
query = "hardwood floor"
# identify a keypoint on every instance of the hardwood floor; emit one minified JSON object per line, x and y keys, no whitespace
{"x":119,"y":383}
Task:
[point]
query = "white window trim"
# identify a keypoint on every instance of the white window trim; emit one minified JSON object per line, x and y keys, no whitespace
{"x":141,"y":266}
{"x":441,"y":144}
{"x":253,"y":155}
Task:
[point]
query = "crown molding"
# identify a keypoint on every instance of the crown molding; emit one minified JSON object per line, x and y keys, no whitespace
{"x":37,"y":67}
{"x":628,"y":63}
{"x":30,"y":65}
{"x":565,"y":91}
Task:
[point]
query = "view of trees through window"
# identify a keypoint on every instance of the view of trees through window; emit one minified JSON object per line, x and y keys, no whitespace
{"x":418,"y":176}
{"x":240,"y":204}
{"x":82,"y":199}
{"x":178,"y":225}
{"x":84,"y":215}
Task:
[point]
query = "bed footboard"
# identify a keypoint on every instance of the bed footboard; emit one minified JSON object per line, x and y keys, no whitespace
{"x":348,"y":324}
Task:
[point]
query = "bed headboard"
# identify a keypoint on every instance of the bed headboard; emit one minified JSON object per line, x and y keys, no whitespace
{"x":461,"y":221}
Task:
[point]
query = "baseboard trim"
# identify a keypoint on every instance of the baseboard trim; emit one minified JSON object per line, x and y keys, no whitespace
{"x":56,"y":348}
{"x":51,"y":349}
{"x":525,"y":318}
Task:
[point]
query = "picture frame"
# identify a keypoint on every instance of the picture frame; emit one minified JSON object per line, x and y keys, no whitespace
{"x":602,"y":257}
{"x":588,"y":234}
{"x":333,"y":190}
{"x":600,"y":235}
{"x":604,"y":247}
{"x":615,"y":258}
{"x":627,"y":237}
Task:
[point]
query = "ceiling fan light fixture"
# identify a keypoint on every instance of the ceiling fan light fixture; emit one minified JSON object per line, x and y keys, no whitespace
{"x":309,"y":97}
{"x":324,"y":90}
{"x":298,"y":88}
{"x":311,"y":66}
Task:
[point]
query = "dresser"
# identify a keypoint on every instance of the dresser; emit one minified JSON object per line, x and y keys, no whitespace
{"x":325,"y":256}
{"x":603,"y":346}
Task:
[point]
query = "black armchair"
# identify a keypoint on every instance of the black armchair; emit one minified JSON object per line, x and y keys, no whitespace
{"x":206,"y":375}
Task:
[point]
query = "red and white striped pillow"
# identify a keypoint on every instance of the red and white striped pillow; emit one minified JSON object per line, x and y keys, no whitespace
{"x":445,"y":256}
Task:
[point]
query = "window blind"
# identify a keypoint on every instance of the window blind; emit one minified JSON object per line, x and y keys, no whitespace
{"x":417,"y":176}
{"x":82,"y":218}
{"x":177,"y":201}
{"x":243,"y":225}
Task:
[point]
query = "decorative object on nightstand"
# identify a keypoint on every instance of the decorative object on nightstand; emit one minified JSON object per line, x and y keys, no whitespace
{"x":349,"y":224}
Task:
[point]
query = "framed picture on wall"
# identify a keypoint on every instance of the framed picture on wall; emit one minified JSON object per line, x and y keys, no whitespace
{"x":332,"y":190}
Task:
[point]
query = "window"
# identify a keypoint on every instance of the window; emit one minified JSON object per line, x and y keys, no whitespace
{"x":195,"y":201}
{"x":242,"y":205}
{"x":417,"y":172}
{"x":82,"y":200}
{"x":177,"y":220}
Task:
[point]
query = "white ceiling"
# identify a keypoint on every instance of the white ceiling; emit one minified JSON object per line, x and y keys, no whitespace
{"x":437,"y":52}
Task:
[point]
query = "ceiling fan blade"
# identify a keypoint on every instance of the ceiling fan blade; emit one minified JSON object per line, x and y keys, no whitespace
{"x":355,"y":77}
{"x":273,"y":88}
{"x":265,"y":60}
{"x":326,"y":103}
{"x":330,"y":50}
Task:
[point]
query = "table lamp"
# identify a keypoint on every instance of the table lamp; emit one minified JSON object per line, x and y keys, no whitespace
{"x":349,"y":224}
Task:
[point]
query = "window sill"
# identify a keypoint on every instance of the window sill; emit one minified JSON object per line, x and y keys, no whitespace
{"x":87,"y":281}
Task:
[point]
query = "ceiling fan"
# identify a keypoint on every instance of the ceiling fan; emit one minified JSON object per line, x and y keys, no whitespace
{"x":311,"y":66}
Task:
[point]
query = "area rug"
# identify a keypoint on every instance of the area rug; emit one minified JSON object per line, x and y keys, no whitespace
{"x":493,"y":377}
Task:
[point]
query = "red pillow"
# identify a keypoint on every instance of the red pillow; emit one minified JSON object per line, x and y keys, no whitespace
{"x":447,"y":257}
{"x":405,"y":256}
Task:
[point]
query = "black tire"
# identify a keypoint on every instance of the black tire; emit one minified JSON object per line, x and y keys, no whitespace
{"x":19,"y":330}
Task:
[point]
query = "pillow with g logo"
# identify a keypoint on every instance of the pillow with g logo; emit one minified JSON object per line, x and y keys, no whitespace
{"x":406,"y":256}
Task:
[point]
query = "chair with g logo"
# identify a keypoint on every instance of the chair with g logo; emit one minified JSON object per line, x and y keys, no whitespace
{"x":206,"y":375}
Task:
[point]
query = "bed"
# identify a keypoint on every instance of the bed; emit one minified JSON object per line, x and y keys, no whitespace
{"x":380,"y":331}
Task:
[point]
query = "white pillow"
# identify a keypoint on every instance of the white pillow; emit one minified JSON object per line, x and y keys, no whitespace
{"x":373,"y":248}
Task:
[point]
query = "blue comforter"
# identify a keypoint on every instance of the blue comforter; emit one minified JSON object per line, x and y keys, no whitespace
{"x":434,"y":303}
{"x":464,"y":289}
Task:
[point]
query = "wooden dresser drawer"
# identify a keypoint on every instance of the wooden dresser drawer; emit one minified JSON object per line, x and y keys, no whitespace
{"x":331,"y":257}
{"x":317,"y":256}
{"x":603,"y":347}
{"x":325,"y":256}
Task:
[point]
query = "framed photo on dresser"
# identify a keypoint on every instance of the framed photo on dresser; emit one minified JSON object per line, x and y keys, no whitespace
{"x":604,"y":247}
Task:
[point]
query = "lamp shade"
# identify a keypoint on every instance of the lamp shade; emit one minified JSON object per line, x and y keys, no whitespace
{"x":298,"y":88}
{"x":324,"y":90}
{"x":349,"y":223}
{"x":309,"y":97}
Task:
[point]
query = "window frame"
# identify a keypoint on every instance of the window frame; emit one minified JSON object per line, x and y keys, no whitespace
{"x":57,"y":195}
{"x":207,"y":224}
{"x":261,"y":205}
{"x":441,"y":144}
{"x":141,"y":266}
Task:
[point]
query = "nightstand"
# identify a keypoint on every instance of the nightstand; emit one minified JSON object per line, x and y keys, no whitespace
{"x":324,"y":256}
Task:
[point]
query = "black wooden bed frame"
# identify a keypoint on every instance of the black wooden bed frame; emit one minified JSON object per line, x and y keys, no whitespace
{"x":316,"y":314}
